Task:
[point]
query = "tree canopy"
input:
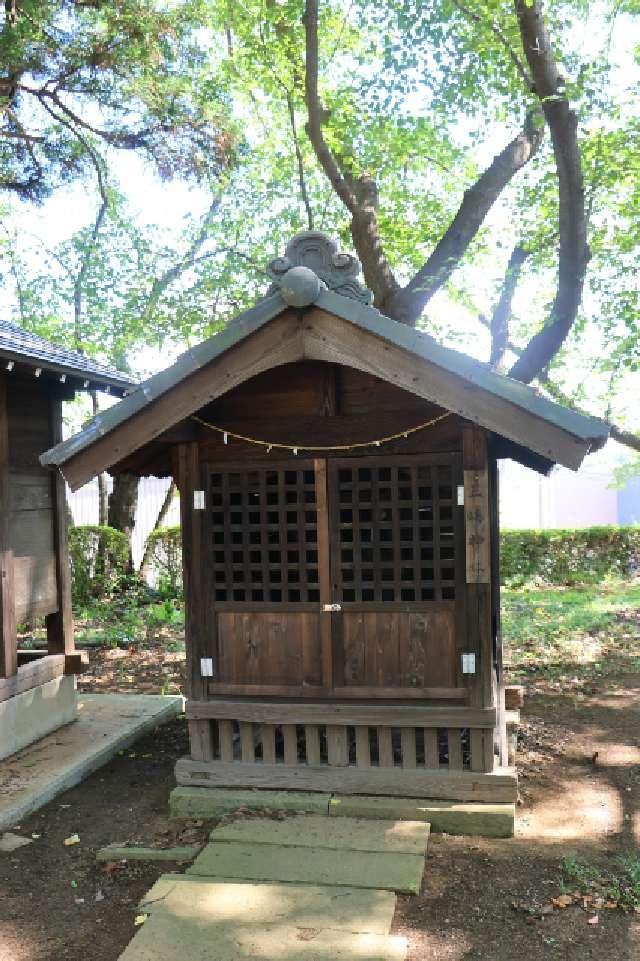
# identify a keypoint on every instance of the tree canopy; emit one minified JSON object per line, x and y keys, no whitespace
{"x":482,"y":158}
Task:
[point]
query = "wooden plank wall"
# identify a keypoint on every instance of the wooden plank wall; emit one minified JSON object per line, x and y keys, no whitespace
{"x":31,"y":503}
{"x":8,"y":645}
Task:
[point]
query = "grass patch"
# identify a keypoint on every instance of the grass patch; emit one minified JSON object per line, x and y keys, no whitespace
{"x":619,"y":886}
{"x":585,"y":632}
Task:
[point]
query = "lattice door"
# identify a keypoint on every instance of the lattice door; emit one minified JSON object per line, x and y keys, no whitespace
{"x":395,"y":565}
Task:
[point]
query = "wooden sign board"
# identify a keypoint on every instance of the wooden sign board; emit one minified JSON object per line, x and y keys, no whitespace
{"x":476,"y":526}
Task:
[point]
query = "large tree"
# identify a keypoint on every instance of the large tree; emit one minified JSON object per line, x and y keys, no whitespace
{"x":481,"y":158}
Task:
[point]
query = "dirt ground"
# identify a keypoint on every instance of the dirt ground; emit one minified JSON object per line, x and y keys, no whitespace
{"x":579,"y":759}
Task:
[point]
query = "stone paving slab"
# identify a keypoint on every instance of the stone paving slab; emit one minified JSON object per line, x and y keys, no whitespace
{"x":166,"y":937}
{"x":124,"y":852}
{"x":349,"y":909}
{"x":106,"y":724}
{"x":308,"y":865}
{"x":451,"y":817}
{"x":316,"y":830}
{"x":204,"y":802}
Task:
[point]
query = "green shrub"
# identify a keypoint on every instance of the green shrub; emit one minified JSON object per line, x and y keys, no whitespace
{"x":99,"y":560}
{"x":166,"y":559}
{"x":568,"y":557}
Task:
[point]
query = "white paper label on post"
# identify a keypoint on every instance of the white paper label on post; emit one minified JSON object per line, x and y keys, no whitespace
{"x":198,"y":500}
{"x":468,"y":664}
{"x":206,"y":667}
{"x":328,"y":608}
{"x":460,"y":495}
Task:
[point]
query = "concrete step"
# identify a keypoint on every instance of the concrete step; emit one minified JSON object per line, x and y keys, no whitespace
{"x":166,"y":937}
{"x":307,"y":906}
{"x":341,"y":834}
{"x":449,"y":817}
{"x":225,"y":860}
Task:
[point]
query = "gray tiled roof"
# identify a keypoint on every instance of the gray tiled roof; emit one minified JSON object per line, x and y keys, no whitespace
{"x":21,"y":346}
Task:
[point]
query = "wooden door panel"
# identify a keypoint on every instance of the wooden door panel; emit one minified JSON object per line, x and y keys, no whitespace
{"x":268,"y":649}
{"x":395,"y":650}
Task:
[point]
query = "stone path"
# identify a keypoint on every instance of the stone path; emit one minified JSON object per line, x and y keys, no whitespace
{"x":337,"y":902}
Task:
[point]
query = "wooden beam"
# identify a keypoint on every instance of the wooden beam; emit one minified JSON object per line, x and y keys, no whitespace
{"x":8,"y":635}
{"x":32,"y":675}
{"x":279,"y":342}
{"x":355,"y":714}
{"x":500,"y":785}
{"x":329,"y":338}
{"x":60,"y":623}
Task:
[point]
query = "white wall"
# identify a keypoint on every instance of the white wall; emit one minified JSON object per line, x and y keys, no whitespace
{"x":564,"y":499}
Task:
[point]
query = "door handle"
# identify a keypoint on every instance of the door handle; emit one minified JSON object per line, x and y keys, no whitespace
{"x":330,"y":608}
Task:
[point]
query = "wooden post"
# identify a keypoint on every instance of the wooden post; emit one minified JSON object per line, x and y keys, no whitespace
{"x":8,"y":638}
{"x":324,"y":578}
{"x":189,"y":480}
{"x":60,"y":623}
{"x":479,"y":638}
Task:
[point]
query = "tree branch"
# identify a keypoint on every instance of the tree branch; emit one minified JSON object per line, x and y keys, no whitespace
{"x":502,"y":38}
{"x":502,"y":310}
{"x":360,"y":197}
{"x":296,"y":146}
{"x":161,"y":283}
{"x":407,"y":304}
{"x":316,"y":113}
{"x":573,"y":250}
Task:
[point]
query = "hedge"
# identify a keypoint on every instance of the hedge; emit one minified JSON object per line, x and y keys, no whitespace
{"x":562,"y":557}
{"x":567,"y":557}
{"x":99,"y":560}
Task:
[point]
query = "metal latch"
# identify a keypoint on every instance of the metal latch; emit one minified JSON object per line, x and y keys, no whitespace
{"x":328,"y":608}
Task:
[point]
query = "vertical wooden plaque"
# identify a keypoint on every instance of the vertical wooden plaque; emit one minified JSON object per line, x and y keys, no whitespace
{"x":476,"y":526}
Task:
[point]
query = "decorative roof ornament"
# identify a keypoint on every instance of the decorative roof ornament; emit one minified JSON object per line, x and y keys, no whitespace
{"x":312,"y":252}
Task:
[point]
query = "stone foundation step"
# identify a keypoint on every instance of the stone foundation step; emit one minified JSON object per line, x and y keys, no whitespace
{"x":484,"y":819}
{"x":340,"y":834}
{"x":226,"y":860}
{"x":166,"y":937}
{"x":214,"y":903}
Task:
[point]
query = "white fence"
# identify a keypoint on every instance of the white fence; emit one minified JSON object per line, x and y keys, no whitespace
{"x":151,"y":494}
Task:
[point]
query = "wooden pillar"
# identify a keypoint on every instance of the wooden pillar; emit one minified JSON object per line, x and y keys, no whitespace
{"x":8,"y":638}
{"x":60,"y":624}
{"x":496,"y":620}
{"x":188,"y":479}
{"x":479,"y":636}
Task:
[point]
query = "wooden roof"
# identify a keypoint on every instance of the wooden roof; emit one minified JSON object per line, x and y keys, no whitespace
{"x":22,"y":348}
{"x":317,"y":310}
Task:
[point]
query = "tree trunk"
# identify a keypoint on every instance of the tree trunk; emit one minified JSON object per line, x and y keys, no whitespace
{"x":162,"y":513}
{"x":123,"y":502}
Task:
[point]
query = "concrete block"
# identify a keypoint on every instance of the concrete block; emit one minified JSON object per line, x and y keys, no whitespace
{"x":203,"y":802}
{"x":226,"y":903}
{"x":481,"y":819}
{"x":29,"y":716}
{"x":123,"y":852}
{"x":268,"y":862}
{"x":165,"y":938}
{"x":341,"y":834}
{"x":106,"y":724}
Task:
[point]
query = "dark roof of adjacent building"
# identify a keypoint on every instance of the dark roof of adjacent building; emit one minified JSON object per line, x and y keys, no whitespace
{"x":314,"y":275}
{"x":21,"y":347}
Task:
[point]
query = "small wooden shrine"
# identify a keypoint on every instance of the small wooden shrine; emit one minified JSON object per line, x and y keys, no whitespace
{"x":339,"y":491}
{"x":37,"y":688}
